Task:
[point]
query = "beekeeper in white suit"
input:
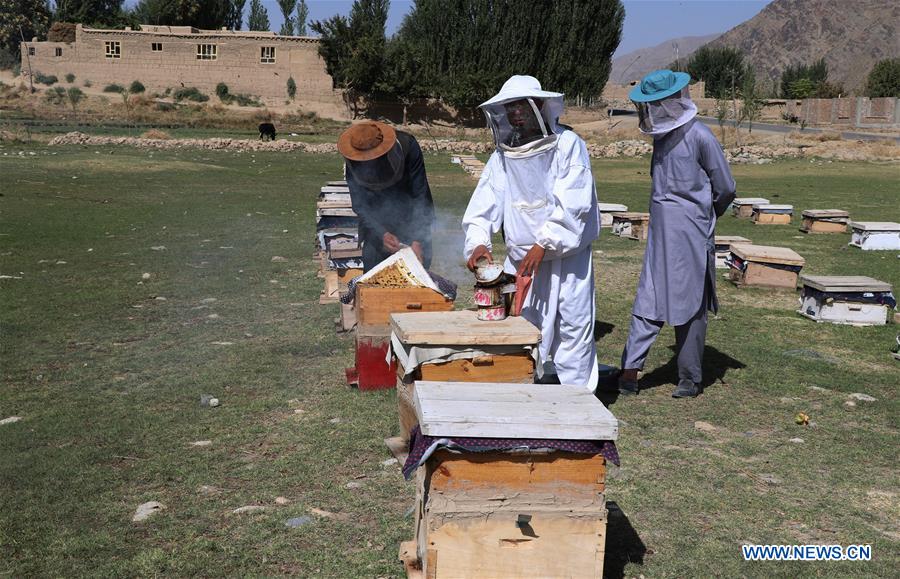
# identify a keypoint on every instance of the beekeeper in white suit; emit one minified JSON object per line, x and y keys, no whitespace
{"x":539,"y":188}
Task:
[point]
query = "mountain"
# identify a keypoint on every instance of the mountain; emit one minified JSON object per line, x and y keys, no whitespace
{"x":646,"y":60}
{"x":850,"y":35}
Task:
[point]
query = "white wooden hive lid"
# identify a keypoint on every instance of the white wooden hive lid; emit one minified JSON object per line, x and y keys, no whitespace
{"x":875,"y":225}
{"x":489,"y":410}
{"x":845,"y":283}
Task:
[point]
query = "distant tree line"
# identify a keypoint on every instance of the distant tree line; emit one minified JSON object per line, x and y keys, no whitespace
{"x":461,"y":51}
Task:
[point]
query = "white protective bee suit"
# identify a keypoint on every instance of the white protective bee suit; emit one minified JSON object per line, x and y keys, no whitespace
{"x":540,"y":189}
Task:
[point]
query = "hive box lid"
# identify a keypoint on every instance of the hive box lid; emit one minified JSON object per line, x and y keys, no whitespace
{"x":730,"y":239}
{"x":845,"y":283}
{"x":463,"y":328}
{"x":749,"y":200}
{"x":767,"y":254}
{"x":772,"y":207}
{"x":825,"y":213}
{"x":488,"y":410}
{"x":611,"y":207}
{"x":631,"y":215}
{"x":875,"y":225}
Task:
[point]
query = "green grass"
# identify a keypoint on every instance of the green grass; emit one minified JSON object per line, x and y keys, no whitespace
{"x":107,"y":378}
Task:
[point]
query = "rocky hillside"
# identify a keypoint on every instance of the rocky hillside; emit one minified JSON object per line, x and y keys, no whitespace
{"x":634,"y":65}
{"x":851,"y":36}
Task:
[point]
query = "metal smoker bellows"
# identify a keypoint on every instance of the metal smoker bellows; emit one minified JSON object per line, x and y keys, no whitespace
{"x":494,"y":290}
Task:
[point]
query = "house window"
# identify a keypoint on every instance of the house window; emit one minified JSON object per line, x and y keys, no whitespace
{"x":267,"y":54}
{"x":156,"y":46}
{"x":30,"y":51}
{"x":206,"y":51}
{"x":113,"y":49}
{"x":57,"y":52}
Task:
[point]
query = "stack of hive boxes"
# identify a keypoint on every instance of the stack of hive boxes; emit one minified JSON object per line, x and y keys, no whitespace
{"x":337,"y":240}
{"x":470,"y":164}
{"x":522,"y":495}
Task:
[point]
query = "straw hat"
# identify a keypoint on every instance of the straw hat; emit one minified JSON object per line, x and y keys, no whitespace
{"x":366,"y":140}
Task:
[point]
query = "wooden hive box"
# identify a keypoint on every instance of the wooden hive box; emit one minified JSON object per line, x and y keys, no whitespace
{"x":502,"y":514}
{"x":632,"y":225}
{"x":606,"y":212}
{"x":824,"y":221}
{"x":875,"y":235}
{"x":375,"y":304}
{"x":504,"y":352}
{"x":742,"y":207}
{"x":765,"y":266}
{"x":723,"y":247}
{"x":853,"y":300}
{"x":771,"y":214}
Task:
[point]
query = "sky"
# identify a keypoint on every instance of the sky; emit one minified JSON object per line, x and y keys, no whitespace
{"x":647,"y":22}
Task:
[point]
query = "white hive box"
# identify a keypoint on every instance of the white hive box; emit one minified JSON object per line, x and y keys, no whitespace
{"x":723,"y":248}
{"x":632,"y":225}
{"x":854,"y":300}
{"x":742,"y":207}
{"x":606,"y":211}
{"x":870,"y":235}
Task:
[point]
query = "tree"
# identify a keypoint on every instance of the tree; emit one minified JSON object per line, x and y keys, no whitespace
{"x":75,"y":95}
{"x":206,"y":14}
{"x":751,"y":94}
{"x":802,"y":81}
{"x":354,"y":48}
{"x":32,"y":16}
{"x":719,"y":67}
{"x":884,"y":79}
{"x":236,"y":14}
{"x":287,"y":9}
{"x":302,"y":16}
{"x":462,"y":50}
{"x":100,"y":13}
{"x":721,"y":114}
{"x":259,"y":16}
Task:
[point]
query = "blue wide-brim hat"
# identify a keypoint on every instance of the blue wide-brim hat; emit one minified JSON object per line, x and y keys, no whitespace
{"x":658,"y":85}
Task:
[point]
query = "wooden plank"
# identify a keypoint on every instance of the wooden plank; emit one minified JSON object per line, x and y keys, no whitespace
{"x":729,"y":239}
{"x":566,"y":472}
{"x":738,"y":201}
{"x":631,"y":216}
{"x":580,"y":416}
{"x":845,"y":283}
{"x":462,"y":328}
{"x":512,"y":392}
{"x":335,"y":189}
{"x":771,"y":218}
{"x":765,"y":207}
{"x":875,"y":225}
{"x":612,"y":208}
{"x":811,"y":225}
{"x":768,"y":254}
{"x":825,"y":213}
{"x":761,"y":275}
{"x":410,"y":561}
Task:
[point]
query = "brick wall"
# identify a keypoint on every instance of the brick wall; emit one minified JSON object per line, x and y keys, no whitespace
{"x":237,"y":62}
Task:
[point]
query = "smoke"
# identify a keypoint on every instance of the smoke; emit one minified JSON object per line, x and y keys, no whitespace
{"x":448,"y":241}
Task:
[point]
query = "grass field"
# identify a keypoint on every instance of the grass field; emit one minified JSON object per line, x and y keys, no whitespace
{"x":106,"y":369}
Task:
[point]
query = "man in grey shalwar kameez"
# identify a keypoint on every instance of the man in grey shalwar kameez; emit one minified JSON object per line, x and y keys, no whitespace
{"x":691,"y":187}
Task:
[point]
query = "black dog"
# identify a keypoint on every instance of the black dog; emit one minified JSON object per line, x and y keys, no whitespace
{"x":266,"y":132}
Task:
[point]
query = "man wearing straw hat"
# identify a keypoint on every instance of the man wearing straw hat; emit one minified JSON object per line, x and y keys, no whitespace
{"x":691,"y":187}
{"x":539,"y":189}
{"x":389,"y":190}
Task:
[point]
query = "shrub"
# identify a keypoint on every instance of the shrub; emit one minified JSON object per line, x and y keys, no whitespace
{"x":8,"y":60}
{"x":70,"y":78}
{"x":190,"y":93}
{"x":291,"y":88}
{"x":165,"y":107}
{"x":47,"y":79}
{"x":117,"y":88}
{"x":75,"y":96}
{"x":88,"y":83}
{"x":56,"y":95}
{"x":136,"y":87}
{"x":222,"y":91}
